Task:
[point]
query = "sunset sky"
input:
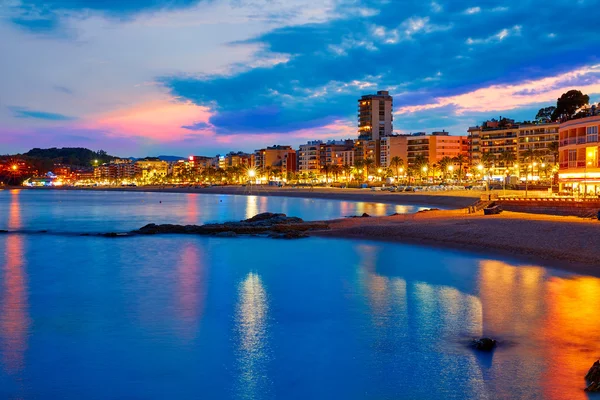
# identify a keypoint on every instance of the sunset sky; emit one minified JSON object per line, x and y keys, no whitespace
{"x":180,"y":77}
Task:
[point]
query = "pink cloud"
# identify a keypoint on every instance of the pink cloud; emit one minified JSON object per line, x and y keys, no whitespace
{"x":160,"y":120}
{"x":508,"y":97}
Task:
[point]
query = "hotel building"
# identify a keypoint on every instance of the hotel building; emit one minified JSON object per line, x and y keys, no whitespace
{"x":496,"y":138}
{"x":375,"y":119}
{"x":393,"y":146}
{"x":315,"y":155}
{"x":578,"y":155}
{"x":432,"y":148}
{"x":276,"y":157}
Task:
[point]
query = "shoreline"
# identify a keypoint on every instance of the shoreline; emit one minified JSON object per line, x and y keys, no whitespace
{"x":565,"y":243}
{"x":449,"y":200}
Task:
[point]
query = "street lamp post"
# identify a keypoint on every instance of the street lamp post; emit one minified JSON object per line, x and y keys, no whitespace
{"x":425,"y":171}
{"x":450,"y":169}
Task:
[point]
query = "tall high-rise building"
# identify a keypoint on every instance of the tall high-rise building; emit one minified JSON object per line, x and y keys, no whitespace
{"x":375,"y":119}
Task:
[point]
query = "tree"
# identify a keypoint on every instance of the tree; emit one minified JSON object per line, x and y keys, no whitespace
{"x":553,"y":149}
{"x":326,"y":168}
{"x":397,"y":163}
{"x":347,"y":171}
{"x":460,"y":160}
{"x":545,"y":114}
{"x":569,"y":102}
{"x":444,"y":164}
{"x":369,"y":163}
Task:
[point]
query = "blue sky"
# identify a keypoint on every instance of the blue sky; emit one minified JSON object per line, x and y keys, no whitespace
{"x":148,"y":77}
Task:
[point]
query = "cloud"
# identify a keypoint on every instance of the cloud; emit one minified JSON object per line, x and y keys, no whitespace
{"x":497,"y":37}
{"x":198,"y":126}
{"x":473,"y":10}
{"x":223,"y":73}
{"x":510,"y":97}
{"x":20,"y":112}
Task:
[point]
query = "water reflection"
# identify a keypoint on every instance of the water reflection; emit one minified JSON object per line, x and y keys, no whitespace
{"x":252,"y":329}
{"x":191,"y":209}
{"x":551,"y":320}
{"x":191,"y":290}
{"x":14,"y":321}
{"x":251,"y":206}
{"x":571,"y":328}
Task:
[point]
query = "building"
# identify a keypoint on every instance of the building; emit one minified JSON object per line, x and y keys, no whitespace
{"x":506,"y":136}
{"x":238,"y":159}
{"x":276,"y":157}
{"x":433,"y":148}
{"x":315,"y":155}
{"x":309,"y":157}
{"x":151,"y":169}
{"x":578,"y":155}
{"x":375,"y":118}
{"x":393,"y":146}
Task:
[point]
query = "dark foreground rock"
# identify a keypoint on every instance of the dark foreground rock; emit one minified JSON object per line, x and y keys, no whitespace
{"x":483,"y":344}
{"x":593,"y":378}
{"x":269,"y":224}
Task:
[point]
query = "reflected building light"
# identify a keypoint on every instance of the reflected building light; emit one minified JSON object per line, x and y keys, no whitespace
{"x":191,"y":290}
{"x":14,"y":318}
{"x":251,"y":323}
{"x":191,"y":209}
{"x":251,"y":206}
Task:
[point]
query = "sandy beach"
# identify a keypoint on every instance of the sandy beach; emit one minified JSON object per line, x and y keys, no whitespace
{"x":567,"y":243}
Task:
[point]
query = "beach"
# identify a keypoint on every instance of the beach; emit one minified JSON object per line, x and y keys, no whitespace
{"x":567,"y":243}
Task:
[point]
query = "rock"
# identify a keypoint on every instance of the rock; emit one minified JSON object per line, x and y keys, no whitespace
{"x":593,"y":387}
{"x":365,"y":215}
{"x":593,"y":378}
{"x":261,"y":224}
{"x":114,"y":234}
{"x":263,"y":216}
{"x":226,"y":234}
{"x":3,"y":231}
{"x":483,"y":344}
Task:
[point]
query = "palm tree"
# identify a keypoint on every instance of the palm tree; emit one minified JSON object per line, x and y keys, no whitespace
{"x":347,"y":171}
{"x":326,"y":168}
{"x":553,"y":149}
{"x":460,"y":160}
{"x":507,"y":157}
{"x":335,"y":170}
{"x":358,"y":166}
{"x":369,"y":162}
{"x":397,"y":163}
{"x":444,"y":164}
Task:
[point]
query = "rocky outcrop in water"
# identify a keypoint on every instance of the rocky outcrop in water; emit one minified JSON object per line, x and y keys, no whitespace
{"x":278,"y":226}
{"x":483,"y":344}
{"x":593,"y":378}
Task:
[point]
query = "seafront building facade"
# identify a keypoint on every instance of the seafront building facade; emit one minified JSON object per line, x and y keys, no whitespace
{"x":507,"y":147}
{"x":579,"y":171}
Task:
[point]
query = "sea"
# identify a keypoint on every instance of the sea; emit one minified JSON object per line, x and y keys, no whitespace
{"x":194,"y":317}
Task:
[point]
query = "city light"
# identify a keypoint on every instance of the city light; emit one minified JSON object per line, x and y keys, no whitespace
{"x":14,"y":167}
{"x":480,"y":167}
{"x":424,"y":169}
{"x":251,"y":172}
{"x":450,"y":168}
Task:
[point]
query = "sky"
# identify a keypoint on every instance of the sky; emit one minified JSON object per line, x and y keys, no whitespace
{"x":205,"y":77}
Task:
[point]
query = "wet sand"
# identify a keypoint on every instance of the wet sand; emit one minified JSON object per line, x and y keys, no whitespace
{"x":567,"y":243}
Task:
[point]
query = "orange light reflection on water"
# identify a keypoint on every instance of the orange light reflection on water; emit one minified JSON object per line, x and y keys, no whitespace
{"x":191,"y":290}
{"x":14,"y":320}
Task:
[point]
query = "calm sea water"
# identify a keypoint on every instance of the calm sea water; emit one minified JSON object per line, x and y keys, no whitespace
{"x":182,"y":317}
{"x":101,"y":211}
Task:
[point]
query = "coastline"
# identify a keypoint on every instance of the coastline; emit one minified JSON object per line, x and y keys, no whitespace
{"x":566,"y":243}
{"x":449,"y":200}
